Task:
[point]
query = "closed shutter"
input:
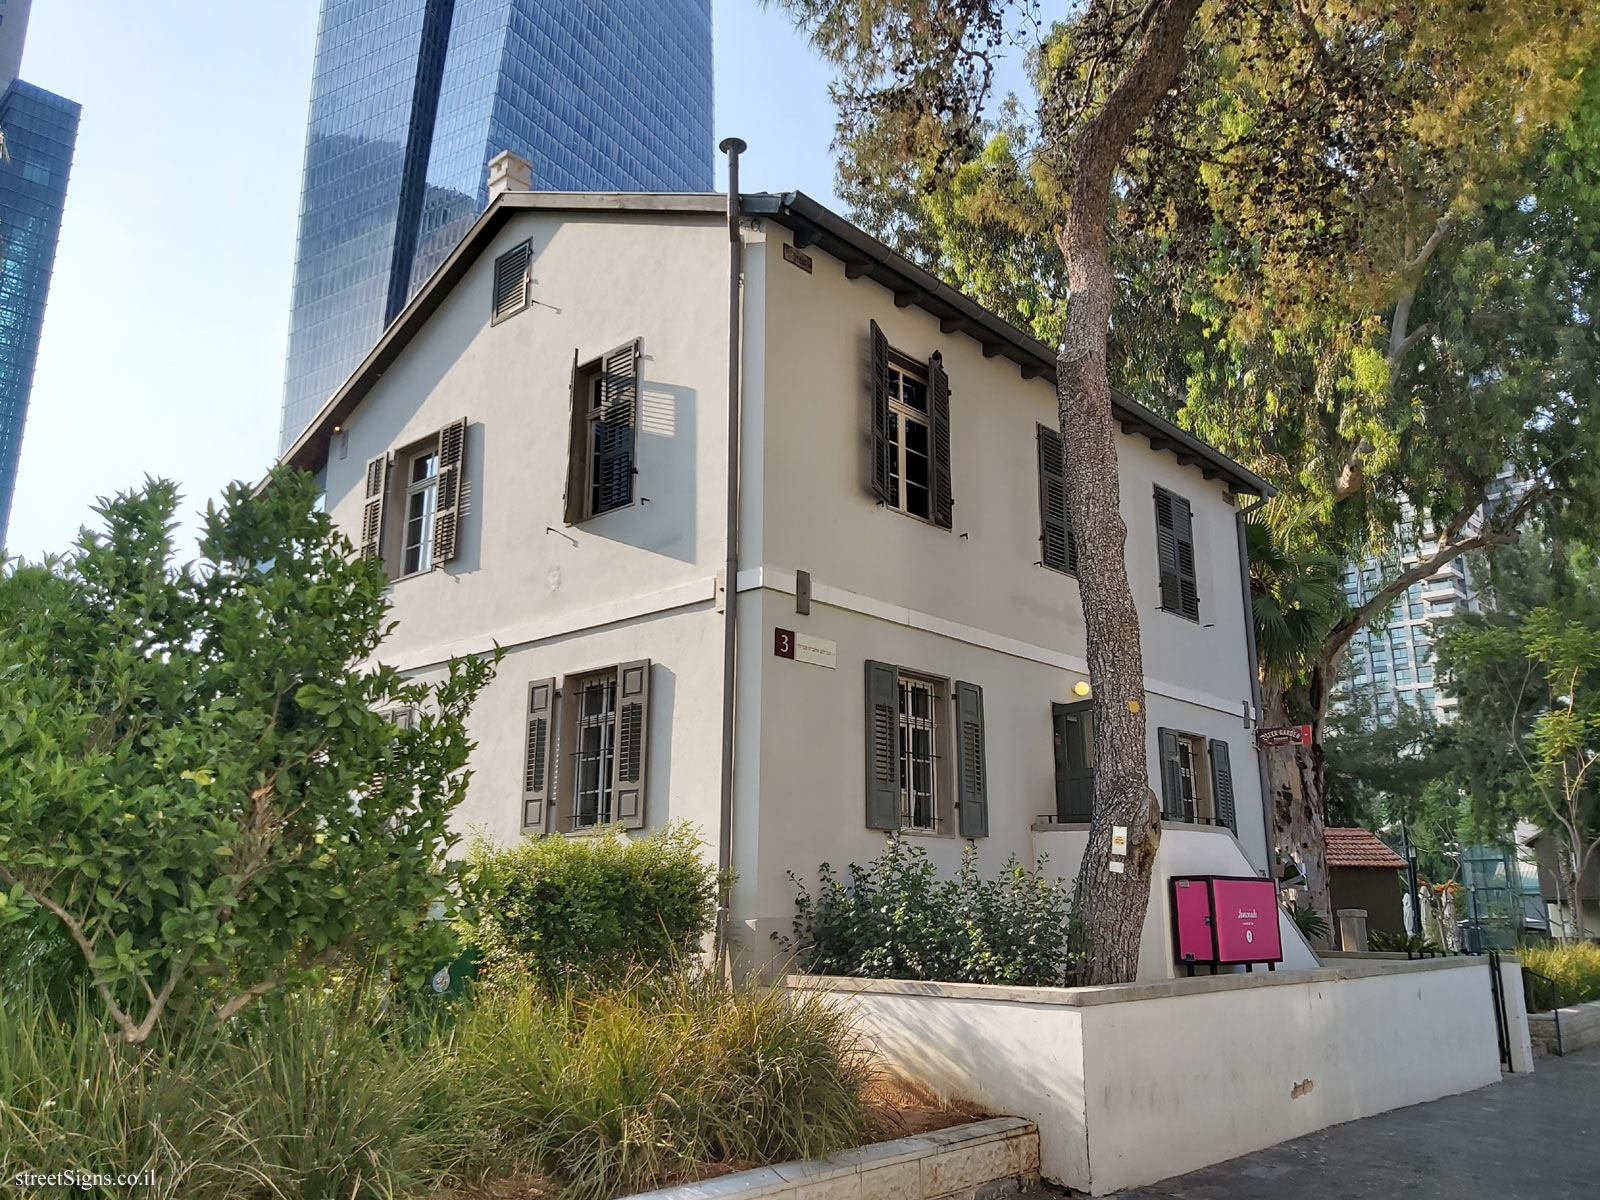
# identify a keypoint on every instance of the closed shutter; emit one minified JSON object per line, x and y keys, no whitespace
{"x":1059,"y":549}
{"x":619,"y":413}
{"x":540,"y":743}
{"x":939,"y":394}
{"x":633,"y":730}
{"x":372,"y":510}
{"x":880,"y":414}
{"x":511,"y":282}
{"x":972,"y":781}
{"x":1074,"y":738}
{"x":1171,"y":775}
{"x":1167,"y":552}
{"x":452,"y":462}
{"x":1222,"y":784}
{"x":883,"y":746}
{"x":578,"y":446}
{"x":1183,"y":534}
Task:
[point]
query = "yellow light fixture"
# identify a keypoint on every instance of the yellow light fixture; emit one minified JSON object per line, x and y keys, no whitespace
{"x":1081,"y":688}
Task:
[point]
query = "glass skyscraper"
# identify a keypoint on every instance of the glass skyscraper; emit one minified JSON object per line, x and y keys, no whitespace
{"x":410,"y":99}
{"x":40,"y":129}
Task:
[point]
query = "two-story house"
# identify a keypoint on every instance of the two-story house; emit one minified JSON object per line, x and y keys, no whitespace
{"x":539,"y":449}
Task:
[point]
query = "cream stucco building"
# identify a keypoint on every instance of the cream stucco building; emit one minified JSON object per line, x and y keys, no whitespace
{"x":539,"y":449}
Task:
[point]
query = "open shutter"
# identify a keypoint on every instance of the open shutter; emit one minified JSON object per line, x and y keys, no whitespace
{"x":578,"y":446}
{"x":883,"y":746}
{"x":1171,"y":775}
{"x":1074,"y":738}
{"x":372,"y":510}
{"x":511,"y":282}
{"x":1222,"y":784}
{"x":939,"y":397}
{"x":1167,"y":552}
{"x":972,"y":780}
{"x":619,"y":417}
{"x":1183,"y":538}
{"x":880,"y":414}
{"x":1059,"y":549}
{"x":536,"y":771}
{"x":633,"y":729}
{"x":452,"y":461}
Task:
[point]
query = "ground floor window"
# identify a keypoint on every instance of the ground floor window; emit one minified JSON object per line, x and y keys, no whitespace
{"x":920,"y":706}
{"x":595,"y":698}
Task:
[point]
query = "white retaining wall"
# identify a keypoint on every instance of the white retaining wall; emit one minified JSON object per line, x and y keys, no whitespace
{"x":1130,"y":1085}
{"x":1579,"y":1026}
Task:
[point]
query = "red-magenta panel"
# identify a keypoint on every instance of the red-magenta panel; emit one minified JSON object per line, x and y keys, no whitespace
{"x":1191,"y":904}
{"x":1247,"y":920}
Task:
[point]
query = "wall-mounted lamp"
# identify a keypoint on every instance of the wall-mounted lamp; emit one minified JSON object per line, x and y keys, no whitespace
{"x":1081,"y":688}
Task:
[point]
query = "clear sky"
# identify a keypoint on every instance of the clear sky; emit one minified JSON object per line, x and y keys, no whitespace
{"x":168,"y":315}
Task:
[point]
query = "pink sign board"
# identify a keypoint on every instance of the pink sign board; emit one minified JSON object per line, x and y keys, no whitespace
{"x":1246,"y":916}
{"x":1191,"y":908}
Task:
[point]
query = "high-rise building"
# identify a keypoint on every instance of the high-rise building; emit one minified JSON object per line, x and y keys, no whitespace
{"x":410,"y":99}
{"x":40,"y":129}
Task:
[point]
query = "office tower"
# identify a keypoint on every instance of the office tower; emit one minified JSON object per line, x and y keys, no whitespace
{"x":40,"y":129}
{"x":409,"y":101}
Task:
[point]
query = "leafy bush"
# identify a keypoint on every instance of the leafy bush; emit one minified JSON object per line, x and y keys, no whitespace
{"x":1572,"y":971}
{"x":896,"y":919}
{"x":1414,"y":943}
{"x":1308,"y":920}
{"x":595,"y":908}
{"x":338,"y":1096}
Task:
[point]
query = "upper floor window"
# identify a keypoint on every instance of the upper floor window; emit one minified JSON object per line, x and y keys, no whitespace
{"x":605,"y":404}
{"x":421,"y":507}
{"x":513,"y":283}
{"x":910,"y":433}
{"x":1058,"y":548}
{"x":1180,"y":591}
{"x":422,"y":485}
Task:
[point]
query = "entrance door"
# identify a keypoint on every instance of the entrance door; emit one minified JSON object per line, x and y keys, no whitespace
{"x":1074,"y":736}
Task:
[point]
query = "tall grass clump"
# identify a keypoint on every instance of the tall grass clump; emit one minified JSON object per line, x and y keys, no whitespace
{"x":1573,"y":971}
{"x":592,"y":909}
{"x":647,"y":1082}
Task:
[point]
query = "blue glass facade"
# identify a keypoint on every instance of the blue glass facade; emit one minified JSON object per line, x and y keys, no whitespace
{"x":409,"y":101}
{"x":40,"y":130}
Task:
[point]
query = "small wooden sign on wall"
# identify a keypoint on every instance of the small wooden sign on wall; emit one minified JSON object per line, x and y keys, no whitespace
{"x":818,"y":652}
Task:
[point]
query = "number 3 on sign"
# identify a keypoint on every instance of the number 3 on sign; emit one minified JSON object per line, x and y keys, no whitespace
{"x":783,"y":643}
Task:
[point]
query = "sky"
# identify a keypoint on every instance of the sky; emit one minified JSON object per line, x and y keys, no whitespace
{"x":168,"y":315}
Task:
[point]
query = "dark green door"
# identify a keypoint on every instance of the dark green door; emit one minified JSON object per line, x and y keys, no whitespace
{"x":1074,"y":736}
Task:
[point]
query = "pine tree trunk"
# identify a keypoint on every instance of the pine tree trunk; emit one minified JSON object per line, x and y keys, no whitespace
{"x":1298,"y":805}
{"x":1112,"y":904}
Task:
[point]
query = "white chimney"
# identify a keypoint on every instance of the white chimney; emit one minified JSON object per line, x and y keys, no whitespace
{"x":509,"y":172}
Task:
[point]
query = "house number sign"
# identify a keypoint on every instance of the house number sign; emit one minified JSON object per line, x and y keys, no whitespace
{"x":818,"y":652}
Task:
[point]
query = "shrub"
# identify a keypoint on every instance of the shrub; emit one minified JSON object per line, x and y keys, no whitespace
{"x":1571,"y":974}
{"x":1414,"y":943}
{"x":896,"y":919}
{"x":592,"y":909}
{"x":1308,"y":920}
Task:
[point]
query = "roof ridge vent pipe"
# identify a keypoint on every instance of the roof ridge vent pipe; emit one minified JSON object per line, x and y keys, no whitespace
{"x":722,"y":951}
{"x":509,"y":172}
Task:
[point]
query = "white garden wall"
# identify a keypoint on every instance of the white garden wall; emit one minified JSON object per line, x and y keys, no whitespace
{"x":1130,"y":1085}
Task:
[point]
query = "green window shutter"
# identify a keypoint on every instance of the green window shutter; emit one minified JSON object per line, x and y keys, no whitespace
{"x":972,"y":781}
{"x":1183,"y":536}
{"x":452,"y":462}
{"x":577,"y":447}
{"x":512,"y":285}
{"x":1073,"y":726}
{"x":372,"y":509}
{"x":1171,"y":775}
{"x":612,"y":484}
{"x":1058,"y":548}
{"x":939,"y":402}
{"x":883,"y":746}
{"x":1167,"y":552}
{"x":537,"y":775}
{"x":633,"y":729}
{"x":880,"y":414}
{"x":1222,"y":784}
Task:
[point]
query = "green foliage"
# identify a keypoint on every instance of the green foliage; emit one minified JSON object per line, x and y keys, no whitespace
{"x":200,"y":783}
{"x":1308,"y":919}
{"x":1571,"y":974}
{"x":335,"y":1095}
{"x":896,"y":919}
{"x":1413,"y":943}
{"x":591,"y":909}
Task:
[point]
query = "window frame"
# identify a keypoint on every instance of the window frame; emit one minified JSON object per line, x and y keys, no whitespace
{"x":1196,"y":748}
{"x":1174,"y":500}
{"x":573,"y":722}
{"x":407,"y":488}
{"x":584,"y":452}
{"x":497,"y":313}
{"x":902,"y":365}
{"x":940,"y":723}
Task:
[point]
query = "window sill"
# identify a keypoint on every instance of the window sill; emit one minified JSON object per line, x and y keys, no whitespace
{"x":412,"y":575}
{"x":911,"y":831}
{"x":1172,"y":612}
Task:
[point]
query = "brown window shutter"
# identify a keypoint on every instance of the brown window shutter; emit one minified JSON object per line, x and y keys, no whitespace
{"x":537,"y":772}
{"x":619,"y":407}
{"x":377,"y":491}
{"x":633,"y":743}
{"x":1167,"y":552}
{"x":452,"y":462}
{"x":972,"y":780}
{"x":879,"y":398}
{"x":512,"y":286}
{"x":1171,"y":775}
{"x":883,"y":745}
{"x":1058,"y":548}
{"x":939,"y":401}
{"x":1188,"y":584}
{"x":1222,"y":784}
{"x":577,"y":448}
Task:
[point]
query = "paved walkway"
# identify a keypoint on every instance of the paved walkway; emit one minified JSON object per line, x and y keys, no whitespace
{"x":1529,"y":1137}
